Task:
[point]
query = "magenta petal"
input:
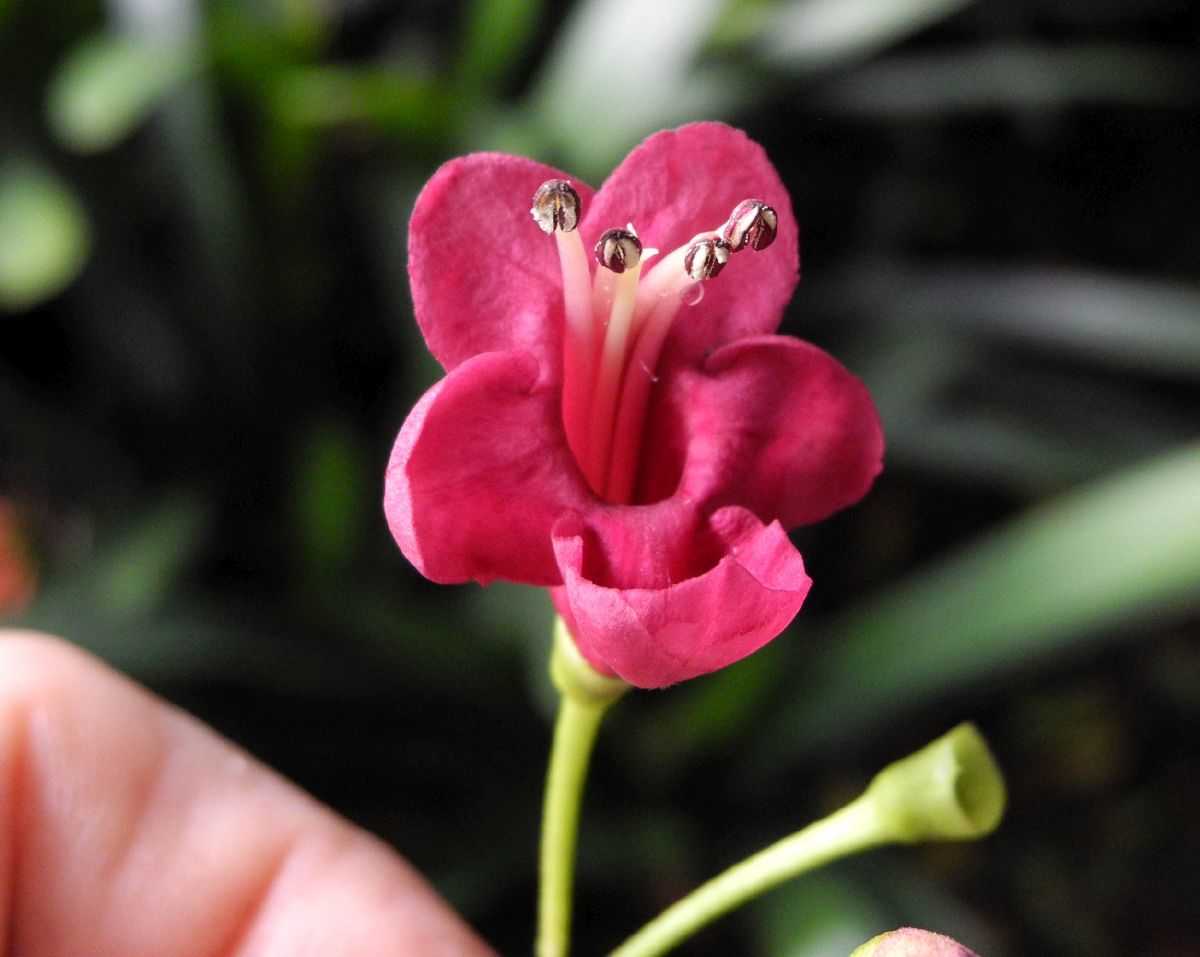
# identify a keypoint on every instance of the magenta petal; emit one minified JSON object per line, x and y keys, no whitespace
{"x":773,"y":424}
{"x":682,"y":182}
{"x":479,"y":474}
{"x":484,"y":277}
{"x":657,"y":636}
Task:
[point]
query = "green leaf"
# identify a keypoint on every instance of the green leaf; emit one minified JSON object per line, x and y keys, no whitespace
{"x":1097,"y":560}
{"x":108,"y":85}
{"x":44,"y":235}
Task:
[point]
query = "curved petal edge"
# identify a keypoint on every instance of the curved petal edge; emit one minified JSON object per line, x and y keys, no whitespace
{"x":653,"y":637}
{"x":480,"y":473}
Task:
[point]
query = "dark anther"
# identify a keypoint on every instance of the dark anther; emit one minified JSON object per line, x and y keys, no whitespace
{"x":618,"y":250}
{"x":555,"y":206}
{"x":753,"y":223}
{"x":705,"y":257}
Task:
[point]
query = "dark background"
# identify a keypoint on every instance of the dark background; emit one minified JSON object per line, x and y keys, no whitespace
{"x":207,"y":347}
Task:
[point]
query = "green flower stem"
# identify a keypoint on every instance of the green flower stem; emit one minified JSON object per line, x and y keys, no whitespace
{"x":585,"y":696}
{"x":951,"y":789}
{"x":854,"y":828}
{"x":574,"y":732}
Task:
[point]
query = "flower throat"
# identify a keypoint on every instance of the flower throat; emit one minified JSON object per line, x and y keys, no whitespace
{"x":617,"y":321}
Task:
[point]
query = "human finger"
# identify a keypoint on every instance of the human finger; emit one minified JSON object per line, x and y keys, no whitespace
{"x":127,"y":828}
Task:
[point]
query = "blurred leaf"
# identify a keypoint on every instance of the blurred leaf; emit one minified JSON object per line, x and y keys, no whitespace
{"x":623,"y":69}
{"x":701,"y":718}
{"x":953,"y":402}
{"x":818,"y":34}
{"x":819,"y":915}
{"x":952,"y":406}
{"x":393,"y":100}
{"x":498,"y":33}
{"x":106,"y":603}
{"x":109,"y":84}
{"x":252,"y":41}
{"x":44,"y":235}
{"x":1136,"y":325}
{"x":916,"y":897}
{"x":138,"y":568}
{"x":305,"y":24}
{"x":1013,"y":77}
{"x":330,"y":502}
{"x":1102,"y":558}
{"x":125,"y":604}
{"x":522,"y":617}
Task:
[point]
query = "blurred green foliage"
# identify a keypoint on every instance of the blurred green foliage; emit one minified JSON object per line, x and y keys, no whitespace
{"x":208,"y":348}
{"x":108,"y":86}
{"x":44,"y":235}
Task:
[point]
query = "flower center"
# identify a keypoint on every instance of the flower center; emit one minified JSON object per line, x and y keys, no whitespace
{"x":616,"y":322}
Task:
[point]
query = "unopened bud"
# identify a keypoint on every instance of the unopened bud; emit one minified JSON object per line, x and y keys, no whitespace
{"x":555,"y":206}
{"x":705,"y":257}
{"x":618,"y":250}
{"x":753,"y":223}
{"x":911,"y":942}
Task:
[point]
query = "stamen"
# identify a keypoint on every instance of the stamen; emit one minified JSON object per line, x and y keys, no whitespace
{"x":752,"y":223}
{"x":612,"y":354}
{"x":618,"y":250}
{"x":614,"y":359}
{"x":555,"y":206}
{"x":556,"y":209}
{"x":667,"y":280}
{"x":634,"y":397}
{"x":674,"y":282}
{"x":706,"y":256}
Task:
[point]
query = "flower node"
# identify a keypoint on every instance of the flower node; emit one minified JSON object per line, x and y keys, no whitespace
{"x":706,"y":257}
{"x":618,"y":250}
{"x":555,"y":206}
{"x":753,"y":223}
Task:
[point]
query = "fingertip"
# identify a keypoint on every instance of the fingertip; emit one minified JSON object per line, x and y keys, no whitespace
{"x":127,"y":827}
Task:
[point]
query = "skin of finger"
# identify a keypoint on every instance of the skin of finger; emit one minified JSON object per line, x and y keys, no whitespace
{"x":128,"y":828}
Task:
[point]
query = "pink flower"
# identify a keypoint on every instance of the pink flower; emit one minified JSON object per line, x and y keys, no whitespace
{"x":628,"y":434}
